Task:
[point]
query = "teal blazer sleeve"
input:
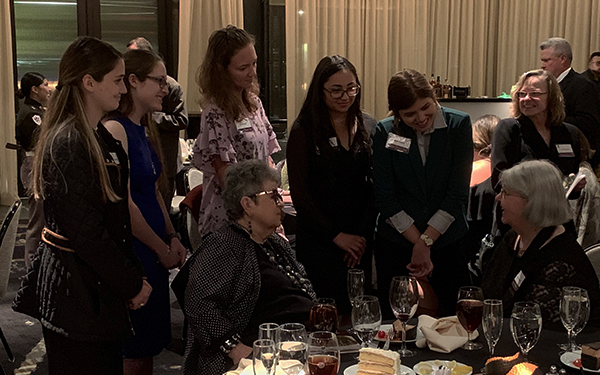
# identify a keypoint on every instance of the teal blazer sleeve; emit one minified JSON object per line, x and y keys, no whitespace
{"x":403,"y":183}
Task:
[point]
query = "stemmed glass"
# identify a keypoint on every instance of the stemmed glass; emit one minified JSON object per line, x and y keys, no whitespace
{"x":526,"y":325}
{"x":292,"y":347}
{"x":469,"y":309}
{"x":269,"y":331}
{"x":356,"y":283}
{"x":366,"y":318}
{"x":323,"y":353}
{"x":574,"y":313}
{"x":492,"y":322}
{"x":323,"y":315}
{"x":264,"y":360}
{"x":404,"y":301}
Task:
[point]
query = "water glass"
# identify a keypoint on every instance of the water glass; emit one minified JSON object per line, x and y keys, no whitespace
{"x":356,"y":283}
{"x":264,"y":360}
{"x":469,"y":310}
{"x":292,"y":348}
{"x":574,"y":313}
{"x":366,"y":318}
{"x":323,"y":353}
{"x":404,"y":301}
{"x":526,"y":325}
{"x":269,"y":331}
{"x":492,"y":322}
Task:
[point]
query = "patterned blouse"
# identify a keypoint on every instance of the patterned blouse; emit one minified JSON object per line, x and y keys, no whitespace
{"x":233,"y":141}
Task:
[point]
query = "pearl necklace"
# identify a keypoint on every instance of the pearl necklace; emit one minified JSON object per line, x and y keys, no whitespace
{"x":295,"y":277}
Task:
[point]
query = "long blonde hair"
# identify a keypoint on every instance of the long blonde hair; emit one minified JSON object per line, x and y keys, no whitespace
{"x":66,"y":112}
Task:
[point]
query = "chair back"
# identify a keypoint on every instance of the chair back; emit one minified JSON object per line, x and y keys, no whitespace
{"x":8,"y":235}
{"x":593,"y":253}
{"x":194,"y":177}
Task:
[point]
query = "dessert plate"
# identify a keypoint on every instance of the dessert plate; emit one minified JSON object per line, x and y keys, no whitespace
{"x":567,"y":358}
{"x":439,"y":362}
{"x":386,"y":327}
{"x":404,"y":370}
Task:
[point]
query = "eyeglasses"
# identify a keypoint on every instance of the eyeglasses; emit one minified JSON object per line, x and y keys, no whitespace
{"x":504,"y":193}
{"x":275,"y":195}
{"x":339,"y":93}
{"x":162,"y":82}
{"x":532,"y":95}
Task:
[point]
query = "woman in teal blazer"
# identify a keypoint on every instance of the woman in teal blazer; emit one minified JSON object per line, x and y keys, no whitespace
{"x":422,"y":160}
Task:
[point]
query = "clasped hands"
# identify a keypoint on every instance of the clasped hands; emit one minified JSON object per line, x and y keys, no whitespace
{"x":353,"y":245}
{"x":420,"y":264}
{"x":174,"y":256}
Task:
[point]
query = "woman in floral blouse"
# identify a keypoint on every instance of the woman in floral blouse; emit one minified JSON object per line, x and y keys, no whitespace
{"x":234,"y":124}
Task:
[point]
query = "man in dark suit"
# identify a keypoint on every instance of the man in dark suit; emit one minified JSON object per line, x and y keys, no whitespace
{"x":593,"y":72}
{"x":170,"y":120}
{"x":582,"y":98}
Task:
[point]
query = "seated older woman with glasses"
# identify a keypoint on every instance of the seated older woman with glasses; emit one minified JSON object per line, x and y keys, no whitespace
{"x":537,"y":257}
{"x":244,"y":274}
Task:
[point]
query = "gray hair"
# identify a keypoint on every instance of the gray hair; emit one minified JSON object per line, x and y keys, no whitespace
{"x":244,"y":179}
{"x":561,"y":47}
{"x":140,"y":43}
{"x":540,"y":182}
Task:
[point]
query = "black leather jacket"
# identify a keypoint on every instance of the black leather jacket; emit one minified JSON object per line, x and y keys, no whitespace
{"x":82,"y":294}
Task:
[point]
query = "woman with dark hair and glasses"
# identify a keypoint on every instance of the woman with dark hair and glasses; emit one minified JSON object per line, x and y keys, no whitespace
{"x":155,"y":241}
{"x":422,"y":161}
{"x":329,"y":168}
{"x":234,"y":125}
{"x":242,"y":275}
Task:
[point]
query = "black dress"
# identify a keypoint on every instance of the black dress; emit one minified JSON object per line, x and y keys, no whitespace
{"x":332,"y":195}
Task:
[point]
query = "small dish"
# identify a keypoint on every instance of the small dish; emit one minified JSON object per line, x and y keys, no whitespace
{"x":438,"y":362}
{"x":568,"y":359}
{"x":386,"y":327}
{"x":404,"y":370}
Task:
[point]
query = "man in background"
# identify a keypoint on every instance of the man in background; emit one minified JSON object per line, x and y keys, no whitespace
{"x":582,"y":98}
{"x":593,"y":72}
{"x":170,"y":120}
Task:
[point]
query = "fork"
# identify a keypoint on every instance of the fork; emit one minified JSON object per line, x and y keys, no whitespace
{"x":390,"y":332}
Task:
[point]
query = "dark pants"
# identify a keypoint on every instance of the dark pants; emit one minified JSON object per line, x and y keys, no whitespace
{"x":450,"y":272}
{"x":68,"y":357}
{"x":36,"y":212}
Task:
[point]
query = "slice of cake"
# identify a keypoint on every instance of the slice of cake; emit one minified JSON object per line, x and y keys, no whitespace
{"x":590,"y":356}
{"x":378,"y":362}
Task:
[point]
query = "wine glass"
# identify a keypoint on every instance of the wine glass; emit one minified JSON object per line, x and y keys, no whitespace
{"x":292,"y":348}
{"x":323,"y":353}
{"x":264,"y":360}
{"x":526,"y":325}
{"x":492,"y":322}
{"x":469,"y":309}
{"x":574,"y":313}
{"x":268,"y":331}
{"x":366,"y":318}
{"x":323,"y":316}
{"x":356,"y":283}
{"x":404,"y":301}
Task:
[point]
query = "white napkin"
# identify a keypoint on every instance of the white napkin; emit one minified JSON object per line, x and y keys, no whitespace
{"x":245,"y":367}
{"x":442,"y":335}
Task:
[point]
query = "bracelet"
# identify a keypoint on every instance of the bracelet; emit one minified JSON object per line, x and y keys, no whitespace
{"x":230,"y":343}
{"x":171,"y":236}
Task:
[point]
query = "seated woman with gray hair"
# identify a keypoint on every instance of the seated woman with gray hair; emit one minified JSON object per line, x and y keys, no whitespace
{"x":536,"y":258}
{"x":244,"y":274}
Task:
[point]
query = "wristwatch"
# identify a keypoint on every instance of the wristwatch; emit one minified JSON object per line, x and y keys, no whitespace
{"x":428,"y":241}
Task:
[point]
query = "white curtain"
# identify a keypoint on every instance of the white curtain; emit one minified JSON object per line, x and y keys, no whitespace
{"x":197,"y":20}
{"x":8,"y":158}
{"x":485,"y":44}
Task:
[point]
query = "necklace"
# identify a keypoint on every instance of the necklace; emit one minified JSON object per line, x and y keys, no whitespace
{"x":295,"y":277}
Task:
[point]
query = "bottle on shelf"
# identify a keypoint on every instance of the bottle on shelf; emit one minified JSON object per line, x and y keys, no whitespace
{"x":437,"y":88}
{"x":447,"y":90}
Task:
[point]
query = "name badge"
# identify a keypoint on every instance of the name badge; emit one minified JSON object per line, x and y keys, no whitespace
{"x":565,"y":150}
{"x":115,"y":158}
{"x":397,"y":143}
{"x":518,"y":280}
{"x":333,"y":142}
{"x":243,"y":124}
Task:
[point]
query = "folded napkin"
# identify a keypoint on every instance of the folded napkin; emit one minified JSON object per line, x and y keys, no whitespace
{"x":245,"y":367}
{"x":442,"y":335}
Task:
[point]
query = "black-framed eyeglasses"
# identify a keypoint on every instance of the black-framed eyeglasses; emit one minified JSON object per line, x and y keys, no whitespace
{"x":275,"y":195}
{"x":339,"y":93}
{"x":532,"y":95}
{"x":162,"y":82}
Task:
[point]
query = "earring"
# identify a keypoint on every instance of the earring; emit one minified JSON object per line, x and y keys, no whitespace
{"x":249,"y":227}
